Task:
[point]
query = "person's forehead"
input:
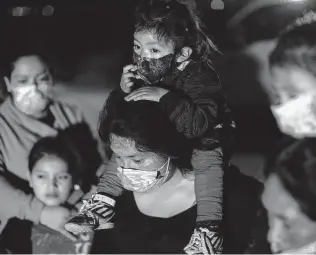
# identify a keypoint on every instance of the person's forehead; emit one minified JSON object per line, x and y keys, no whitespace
{"x":293,"y":79}
{"x":276,"y":199}
{"x":150,"y":38}
{"x":51,"y":164}
{"x":123,"y":146}
{"x":29,"y":65}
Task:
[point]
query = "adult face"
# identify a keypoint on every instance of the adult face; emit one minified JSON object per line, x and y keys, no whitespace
{"x":293,"y":99}
{"x":30,"y":84}
{"x":138,"y":170}
{"x":289,"y":228}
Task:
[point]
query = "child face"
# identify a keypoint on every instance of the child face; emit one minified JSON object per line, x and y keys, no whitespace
{"x":51,"y":181}
{"x":147,"y":45}
{"x":293,"y":100}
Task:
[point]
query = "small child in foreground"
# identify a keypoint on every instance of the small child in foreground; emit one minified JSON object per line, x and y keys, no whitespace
{"x":172,"y":67}
{"x":53,"y":177}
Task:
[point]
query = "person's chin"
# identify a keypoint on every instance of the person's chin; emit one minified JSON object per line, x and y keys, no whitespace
{"x":52,"y":201}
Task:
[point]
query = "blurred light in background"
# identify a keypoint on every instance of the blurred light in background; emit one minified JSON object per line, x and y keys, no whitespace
{"x":48,"y":10}
{"x":21,"y":11}
{"x":256,"y":5}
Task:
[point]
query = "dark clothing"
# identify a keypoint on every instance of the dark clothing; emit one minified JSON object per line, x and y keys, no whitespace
{"x":21,"y":236}
{"x":135,"y":232}
{"x":198,"y":107}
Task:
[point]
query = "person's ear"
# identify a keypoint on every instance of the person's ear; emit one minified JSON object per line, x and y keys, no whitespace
{"x":28,"y":177}
{"x":184,"y":54}
{"x":7,"y":83}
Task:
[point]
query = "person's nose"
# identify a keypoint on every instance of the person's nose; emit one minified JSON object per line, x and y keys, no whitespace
{"x":52,"y":184}
{"x":145,"y":53}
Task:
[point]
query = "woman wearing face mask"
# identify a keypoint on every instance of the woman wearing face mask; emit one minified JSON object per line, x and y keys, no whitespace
{"x":157,"y":212}
{"x":293,"y":68}
{"x":28,"y":114}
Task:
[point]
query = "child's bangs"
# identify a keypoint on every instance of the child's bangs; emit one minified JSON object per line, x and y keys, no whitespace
{"x":156,"y":29}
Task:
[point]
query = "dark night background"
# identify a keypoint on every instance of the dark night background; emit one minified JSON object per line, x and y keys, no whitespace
{"x":89,"y":42}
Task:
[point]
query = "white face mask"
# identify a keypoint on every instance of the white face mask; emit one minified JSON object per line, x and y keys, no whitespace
{"x":29,"y":99}
{"x":296,"y":117}
{"x":142,"y":181}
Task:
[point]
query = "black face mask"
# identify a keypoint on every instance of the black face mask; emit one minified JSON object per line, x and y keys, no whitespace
{"x":151,"y":70}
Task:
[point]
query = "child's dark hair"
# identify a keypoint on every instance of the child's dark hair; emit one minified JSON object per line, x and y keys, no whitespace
{"x":296,"y":47}
{"x":58,"y":147}
{"x":173,"y":21}
{"x":296,"y":168}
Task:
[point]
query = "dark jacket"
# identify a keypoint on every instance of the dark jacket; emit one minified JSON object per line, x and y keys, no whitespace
{"x":198,"y":107}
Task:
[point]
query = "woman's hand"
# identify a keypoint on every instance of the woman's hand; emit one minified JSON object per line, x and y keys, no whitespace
{"x":55,"y":218}
{"x":126,"y":79}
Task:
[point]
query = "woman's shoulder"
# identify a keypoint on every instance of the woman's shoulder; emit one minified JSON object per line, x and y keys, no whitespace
{"x":70,"y":111}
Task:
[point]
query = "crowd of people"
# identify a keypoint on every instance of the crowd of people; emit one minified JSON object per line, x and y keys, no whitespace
{"x":168,"y":185}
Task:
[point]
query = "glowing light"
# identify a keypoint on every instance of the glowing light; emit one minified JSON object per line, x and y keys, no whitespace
{"x":17,"y":11}
{"x":217,"y":5}
{"x":48,"y":10}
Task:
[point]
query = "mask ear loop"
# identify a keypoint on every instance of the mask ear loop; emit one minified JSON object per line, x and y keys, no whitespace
{"x":167,"y":172}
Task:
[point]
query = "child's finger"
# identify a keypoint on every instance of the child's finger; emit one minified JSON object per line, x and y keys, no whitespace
{"x":141,"y":97}
{"x":129,"y":75}
{"x":129,"y":84}
{"x":135,"y":95}
{"x":129,"y":68}
{"x":136,"y":92}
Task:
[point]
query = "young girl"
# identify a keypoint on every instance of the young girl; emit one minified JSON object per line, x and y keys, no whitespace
{"x":172,"y":67}
{"x":53,"y":174}
{"x":293,"y":93}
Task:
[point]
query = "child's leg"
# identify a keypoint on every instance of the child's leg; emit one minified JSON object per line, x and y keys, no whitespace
{"x":109,"y":183}
{"x":208,"y":170}
{"x":97,"y":212}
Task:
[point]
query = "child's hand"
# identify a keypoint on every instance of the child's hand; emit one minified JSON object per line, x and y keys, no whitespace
{"x":126,"y":82}
{"x":147,"y":93}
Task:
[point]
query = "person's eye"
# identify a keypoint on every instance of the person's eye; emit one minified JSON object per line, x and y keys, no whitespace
{"x":136,"y":47}
{"x":154,"y":51}
{"x":40,"y":176}
{"x":22,"y":81}
{"x":138,"y":161}
{"x":63,"y":177}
